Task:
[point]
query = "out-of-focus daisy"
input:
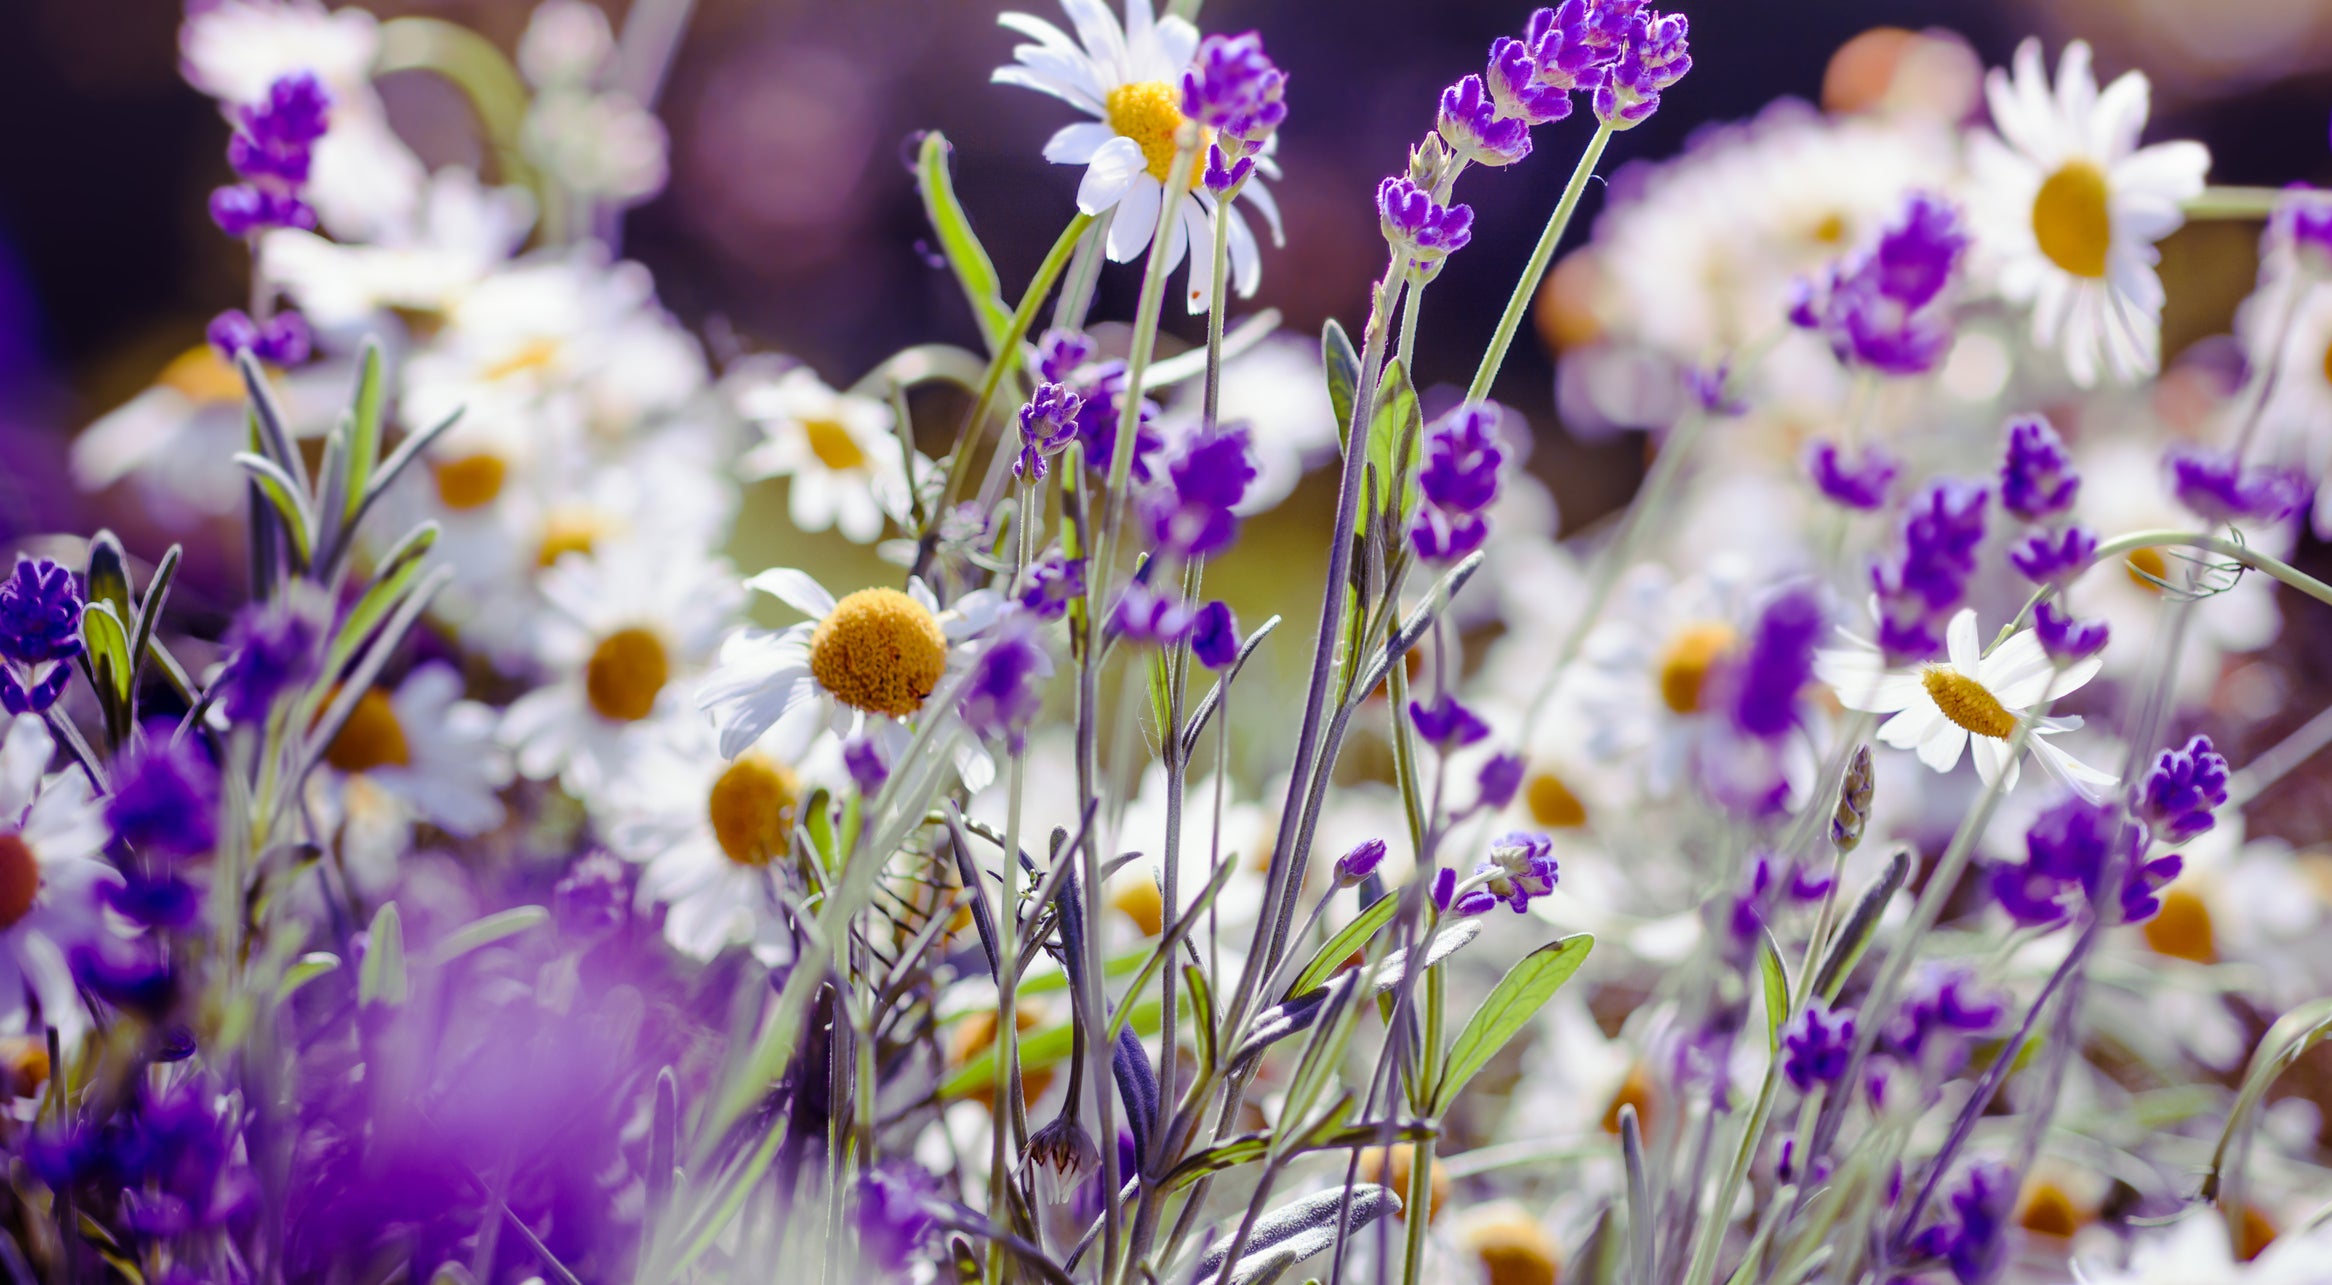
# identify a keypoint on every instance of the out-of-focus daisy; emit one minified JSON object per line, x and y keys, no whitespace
{"x":419,"y":753}
{"x":461,"y":232}
{"x":837,"y":450}
{"x":2068,"y":207}
{"x":1646,"y":667}
{"x":622,"y":632}
{"x":1129,"y":78}
{"x":1939,"y":707}
{"x":52,"y":840}
{"x":2196,"y":1249}
{"x":712,"y":833}
{"x":364,"y":180}
{"x":863,"y":666}
{"x":175,"y":442}
{"x":2286,"y":327}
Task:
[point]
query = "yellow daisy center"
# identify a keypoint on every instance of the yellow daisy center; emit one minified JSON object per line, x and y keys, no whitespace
{"x":1375,"y":1168}
{"x":831,"y":442}
{"x":752,"y":809}
{"x":879,"y":650}
{"x":1150,"y":112}
{"x":2073,"y":220}
{"x":975,"y":1034}
{"x":202,"y":376}
{"x":533,"y":355}
{"x":1552,"y":804}
{"x":19,"y":878}
{"x":371,"y":738}
{"x":1968,"y":703}
{"x":1685,"y":665}
{"x":625,"y":673}
{"x":2048,"y":1211}
{"x":568,"y":531}
{"x":1140,"y":901}
{"x":2148,"y":568}
{"x":470,"y":481}
{"x":1634,"y":1091}
{"x":2182,"y":929}
{"x":2328,"y":363}
{"x":1513,"y":1247}
{"x":1830,"y":229}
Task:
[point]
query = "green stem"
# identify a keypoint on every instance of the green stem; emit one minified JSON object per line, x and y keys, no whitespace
{"x":1145,"y":340}
{"x":2234,"y":203}
{"x":1541,"y":255}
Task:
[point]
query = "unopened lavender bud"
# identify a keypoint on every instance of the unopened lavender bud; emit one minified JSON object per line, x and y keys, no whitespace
{"x":1359,"y":863}
{"x":1846,"y":824}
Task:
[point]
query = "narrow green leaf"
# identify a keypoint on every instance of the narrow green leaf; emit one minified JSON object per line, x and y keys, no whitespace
{"x":1330,"y":957}
{"x":1847,"y":947}
{"x":480,"y":933}
{"x":1773,"y":975}
{"x":2292,"y":1035}
{"x":364,"y":437}
{"x":284,"y":493}
{"x":1343,"y":367}
{"x":311,"y":966}
{"x":150,"y":610}
{"x":1508,"y":1008}
{"x":108,"y":575}
{"x":958,"y":244}
{"x":109,"y":649}
{"x":1394,"y":429}
{"x":399,"y":460}
{"x":398,"y":573}
{"x":381,"y":980}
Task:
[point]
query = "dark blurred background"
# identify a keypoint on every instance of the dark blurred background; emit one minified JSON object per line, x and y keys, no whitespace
{"x":790,"y":221}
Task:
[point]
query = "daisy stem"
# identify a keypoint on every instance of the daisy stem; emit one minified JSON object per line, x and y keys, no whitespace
{"x":1541,"y":255}
{"x":1000,"y":363}
{"x":1146,"y":315}
{"x":2202,"y":540}
{"x":2234,"y":203}
{"x":1217,"y":306}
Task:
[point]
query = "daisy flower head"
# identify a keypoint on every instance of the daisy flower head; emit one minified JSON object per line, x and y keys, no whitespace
{"x":1129,"y":77}
{"x":863,"y":666}
{"x":415,"y":753}
{"x":2070,"y":208}
{"x":52,"y":840}
{"x":619,"y":633}
{"x":1973,"y":697}
{"x":836,"y":448}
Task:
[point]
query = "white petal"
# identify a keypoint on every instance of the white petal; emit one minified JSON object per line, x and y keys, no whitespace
{"x":1268,"y":205}
{"x":1961,"y":644}
{"x":24,"y":756}
{"x":1113,"y":180}
{"x":1941,"y":749}
{"x":1075,"y":144}
{"x":1137,"y":216}
{"x":796,"y":589}
{"x":1246,"y":256}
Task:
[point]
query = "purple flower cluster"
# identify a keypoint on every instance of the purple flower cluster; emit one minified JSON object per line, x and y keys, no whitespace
{"x":273,"y":648}
{"x":40,"y":634}
{"x":1921,"y":588}
{"x":1422,"y":229}
{"x":1484,"y":128}
{"x":1499,"y":780}
{"x":1051,"y":584}
{"x":165,"y":798}
{"x":1234,"y":89}
{"x":1769,"y":891}
{"x":2217,"y":486}
{"x":2037,"y":481}
{"x":1447,"y":724}
{"x":893,"y":1216}
{"x":1193,"y":514}
{"x":1006,"y":685}
{"x":2080,"y":845}
{"x":1214,"y":635}
{"x":2303,"y":221}
{"x":272,"y":148}
{"x":1048,"y":423}
{"x":1100,"y":399}
{"x":1776,"y":665}
{"x":863,"y":759}
{"x":2065,"y":638}
{"x":282,"y":340}
{"x":1943,"y":1001}
{"x":1883,"y":308}
{"x":1359,"y":863}
{"x":1459,"y":480}
{"x":1521,"y":866}
{"x":1654,"y":56}
{"x":1972,"y":1241}
{"x":1816,"y":1046}
{"x":1860,"y":484}
{"x":1144,"y":616}
{"x":2182,"y":790}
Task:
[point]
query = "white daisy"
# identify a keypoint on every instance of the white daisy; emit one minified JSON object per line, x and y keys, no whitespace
{"x":2287,"y":327}
{"x":1130,"y":79}
{"x":364,"y":180}
{"x":1645,"y":668}
{"x":838,"y":449}
{"x":419,"y":753}
{"x":175,"y":442}
{"x":52,"y":837}
{"x":462,"y":232}
{"x":713,"y":835}
{"x":860,"y":666}
{"x":623,"y":631}
{"x":2068,"y":209}
{"x":1940,"y":706}
{"x":2196,"y":1251}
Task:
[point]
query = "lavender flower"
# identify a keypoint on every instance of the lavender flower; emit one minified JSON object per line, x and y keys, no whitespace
{"x":1944,"y":999}
{"x":1521,"y":866}
{"x":2066,"y":639}
{"x":1570,"y":46}
{"x":272,"y":649}
{"x":1234,"y":88}
{"x":1447,"y":724}
{"x":1060,"y":352}
{"x":2303,"y":221}
{"x":281,"y":340}
{"x":1459,"y":482}
{"x":1474,"y":127}
{"x":1144,"y":615}
{"x":1193,"y":516}
{"x":1052,"y":583}
{"x":1214,"y":635}
{"x":1816,"y":1045}
{"x":2074,"y":845}
{"x":2037,"y":481}
{"x":863,"y":759}
{"x":1941,"y":534}
{"x":1654,"y":57}
{"x":1359,"y":863}
{"x":40,"y":633}
{"x":1879,"y":308}
{"x":1101,"y":399}
{"x":1048,"y":423}
{"x":1776,"y":665}
{"x":1418,"y":227}
{"x":165,"y":798}
{"x":2182,"y":790}
{"x":1516,"y":95}
{"x":1857,"y":485}
{"x":2140,"y":899}
{"x":1973,"y":1242}
{"x":1440,"y":537}
{"x":2057,"y":558}
{"x":893,"y":1216}
{"x":1499,"y":781}
{"x":2218,"y":488}
{"x":272,"y":149}
{"x":1007,"y":683}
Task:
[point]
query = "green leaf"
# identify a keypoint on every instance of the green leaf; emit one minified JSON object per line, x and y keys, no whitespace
{"x":2292,"y":1035}
{"x":1343,"y":367}
{"x":1773,"y":975}
{"x":109,"y":650}
{"x":974,"y":271}
{"x":1394,"y":429}
{"x":476,"y":67}
{"x":1039,"y":1048}
{"x":1508,"y":1008}
{"x":108,"y":575}
{"x":1351,"y":937}
{"x":484,"y":932}
{"x":364,"y":437}
{"x":282,"y":491}
{"x":1847,"y":947}
{"x":311,"y":966}
{"x":381,"y":980}
{"x":398,"y":571}
{"x":150,"y":610}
